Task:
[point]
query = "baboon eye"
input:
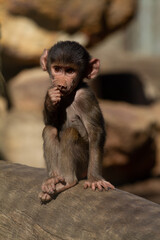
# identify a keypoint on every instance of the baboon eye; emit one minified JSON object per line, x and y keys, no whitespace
{"x":70,"y":70}
{"x":56,"y":68}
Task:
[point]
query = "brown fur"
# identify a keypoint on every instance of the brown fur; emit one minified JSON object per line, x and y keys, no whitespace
{"x":74,"y":134}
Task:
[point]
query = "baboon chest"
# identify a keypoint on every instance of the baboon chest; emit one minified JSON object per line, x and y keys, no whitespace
{"x":73,"y":119}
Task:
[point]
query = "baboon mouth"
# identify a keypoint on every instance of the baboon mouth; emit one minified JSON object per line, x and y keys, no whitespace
{"x":63,"y":92}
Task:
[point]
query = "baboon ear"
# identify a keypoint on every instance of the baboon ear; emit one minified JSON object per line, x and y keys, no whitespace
{"x":94,"y":66}
{"x":43,"y":60}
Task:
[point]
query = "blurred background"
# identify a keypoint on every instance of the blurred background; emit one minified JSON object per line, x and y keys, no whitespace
{"x":125,"y":36}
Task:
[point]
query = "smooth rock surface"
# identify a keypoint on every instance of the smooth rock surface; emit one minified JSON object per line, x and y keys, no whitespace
{"x":74,"y":214}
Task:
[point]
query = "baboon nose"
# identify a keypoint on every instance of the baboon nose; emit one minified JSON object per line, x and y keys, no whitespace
{"x":62,"y":87}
